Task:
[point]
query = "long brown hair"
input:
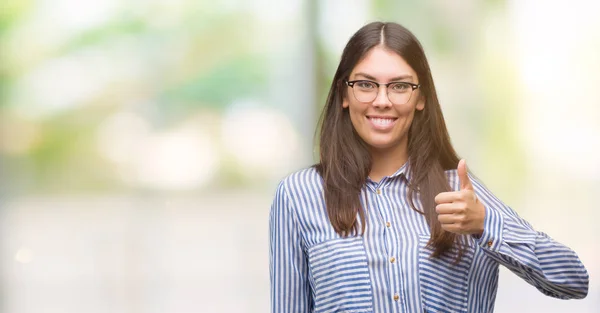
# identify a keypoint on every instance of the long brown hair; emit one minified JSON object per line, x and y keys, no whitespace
{"x":345,"y":162}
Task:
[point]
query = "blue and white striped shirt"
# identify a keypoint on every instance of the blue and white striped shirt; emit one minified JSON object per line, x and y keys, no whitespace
{"x":389,"y":268}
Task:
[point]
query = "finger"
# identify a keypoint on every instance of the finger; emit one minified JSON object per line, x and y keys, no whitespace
{"x":453,"y":228}
{"x":448,"y":197}
{"x":463,"y":177}
{"x":452,"y":196}
{"x":450,"y":208}
{"x":450,"y":218}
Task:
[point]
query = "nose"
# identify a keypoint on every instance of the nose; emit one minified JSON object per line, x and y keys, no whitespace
{"x":382,"y":99}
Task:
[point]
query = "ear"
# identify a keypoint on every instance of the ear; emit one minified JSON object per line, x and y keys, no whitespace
{"x":421,"y":104}
{"x":345,"y":103}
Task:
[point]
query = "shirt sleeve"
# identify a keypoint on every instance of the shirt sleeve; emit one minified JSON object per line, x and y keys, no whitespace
{"x":288,"y":268}
{"x":550,"y":266}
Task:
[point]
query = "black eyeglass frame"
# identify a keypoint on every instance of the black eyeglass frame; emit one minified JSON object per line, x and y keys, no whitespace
{"x":352,"y":82}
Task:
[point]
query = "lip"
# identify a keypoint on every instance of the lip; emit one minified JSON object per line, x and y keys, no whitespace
{"x":382,"y":116}
{"x":379,"y":126}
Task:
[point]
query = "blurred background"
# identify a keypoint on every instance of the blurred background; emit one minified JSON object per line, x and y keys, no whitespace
{"x":141,"y":142}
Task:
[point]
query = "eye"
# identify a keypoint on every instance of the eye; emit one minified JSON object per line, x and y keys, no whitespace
{"x":365,"y":85}
{"x":400,"y":87}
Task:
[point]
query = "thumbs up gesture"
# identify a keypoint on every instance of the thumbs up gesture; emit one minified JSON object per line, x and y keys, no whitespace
{"x":460,"y":211}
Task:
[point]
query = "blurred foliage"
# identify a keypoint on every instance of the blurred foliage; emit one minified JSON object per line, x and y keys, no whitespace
{"x":67,"y":157}
{"x":11,"y":11}
{"x":203,"y":58}
{"x":118,"y":26}
{"x":235,"y":78}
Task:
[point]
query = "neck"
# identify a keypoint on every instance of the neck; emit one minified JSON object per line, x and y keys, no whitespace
{"x":387,"y":162}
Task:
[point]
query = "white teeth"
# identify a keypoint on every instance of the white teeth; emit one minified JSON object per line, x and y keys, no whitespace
{"x":382,"y":121}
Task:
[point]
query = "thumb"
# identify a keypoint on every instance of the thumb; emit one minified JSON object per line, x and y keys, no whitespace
{"x":463,"y":177}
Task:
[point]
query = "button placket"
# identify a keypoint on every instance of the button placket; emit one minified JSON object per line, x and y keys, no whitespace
{"x":387,"y":214}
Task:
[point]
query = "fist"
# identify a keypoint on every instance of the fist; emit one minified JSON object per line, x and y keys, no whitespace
{"x":460,"y":211}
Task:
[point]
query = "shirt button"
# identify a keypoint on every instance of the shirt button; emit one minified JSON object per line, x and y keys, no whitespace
{"x":388,"y":224}
{"x":392,"y":259}
{"x":490,"y":243}
{"x":378,"y":191}
{"x":396,"y":297}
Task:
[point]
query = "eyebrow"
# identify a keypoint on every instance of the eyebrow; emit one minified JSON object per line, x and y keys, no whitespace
{"x":397,"y":78}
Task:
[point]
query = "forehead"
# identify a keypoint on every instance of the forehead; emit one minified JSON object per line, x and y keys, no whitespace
{"x":383,"y":65}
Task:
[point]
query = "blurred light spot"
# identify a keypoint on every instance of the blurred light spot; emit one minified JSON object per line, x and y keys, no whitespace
{"x":121,"y":135}
{"x":18,"y":137}
{"x":334,"y":30}
{"x":24,"y":255}
{"x":59,"y":84}
{"x":164,"y":13}
{"x":76,"y":79}
{"x":184,"y":158}
{"x":557,"y":112}
{"x":259,"y":139}
{"x":74,"y":16}
{"x":275,"y":11}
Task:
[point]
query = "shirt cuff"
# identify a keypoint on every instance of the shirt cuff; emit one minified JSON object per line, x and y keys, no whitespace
{"x":493,"y":224}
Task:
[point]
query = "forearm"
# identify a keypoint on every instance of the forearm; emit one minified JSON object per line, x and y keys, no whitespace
{"x":548,"y":265}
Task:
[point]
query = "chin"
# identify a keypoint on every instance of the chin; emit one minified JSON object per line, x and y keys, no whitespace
{"x":381,"y":145}
{"x":383,"y":142}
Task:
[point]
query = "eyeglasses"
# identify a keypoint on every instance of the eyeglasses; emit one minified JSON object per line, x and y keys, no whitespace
{"x":397,"y":92}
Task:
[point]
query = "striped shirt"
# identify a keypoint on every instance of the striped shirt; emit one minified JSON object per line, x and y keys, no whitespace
{"x":389,"y":268}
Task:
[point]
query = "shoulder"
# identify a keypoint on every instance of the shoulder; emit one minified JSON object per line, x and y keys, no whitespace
{"x":299,"y":189}
{"x":301,"y":180}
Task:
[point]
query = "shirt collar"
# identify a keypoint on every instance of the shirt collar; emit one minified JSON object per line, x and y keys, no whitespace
{"x":404,"y":170}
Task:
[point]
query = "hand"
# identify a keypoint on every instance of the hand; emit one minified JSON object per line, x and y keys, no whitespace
{"x":460,"y":211}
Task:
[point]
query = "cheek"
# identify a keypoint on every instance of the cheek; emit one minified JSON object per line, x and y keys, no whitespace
{"x":407,"y":115}
{"x":355,"y":118}
{"x":406,"y":111}
{"x":356,"y":111}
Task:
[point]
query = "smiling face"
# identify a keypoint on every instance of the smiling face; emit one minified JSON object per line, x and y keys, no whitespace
{"x":383,"y":125}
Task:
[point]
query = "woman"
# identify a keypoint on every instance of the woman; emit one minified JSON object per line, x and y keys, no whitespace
{"x":389,"y":220}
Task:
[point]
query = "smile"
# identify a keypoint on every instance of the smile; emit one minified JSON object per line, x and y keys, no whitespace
{"x":382,"y":123}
